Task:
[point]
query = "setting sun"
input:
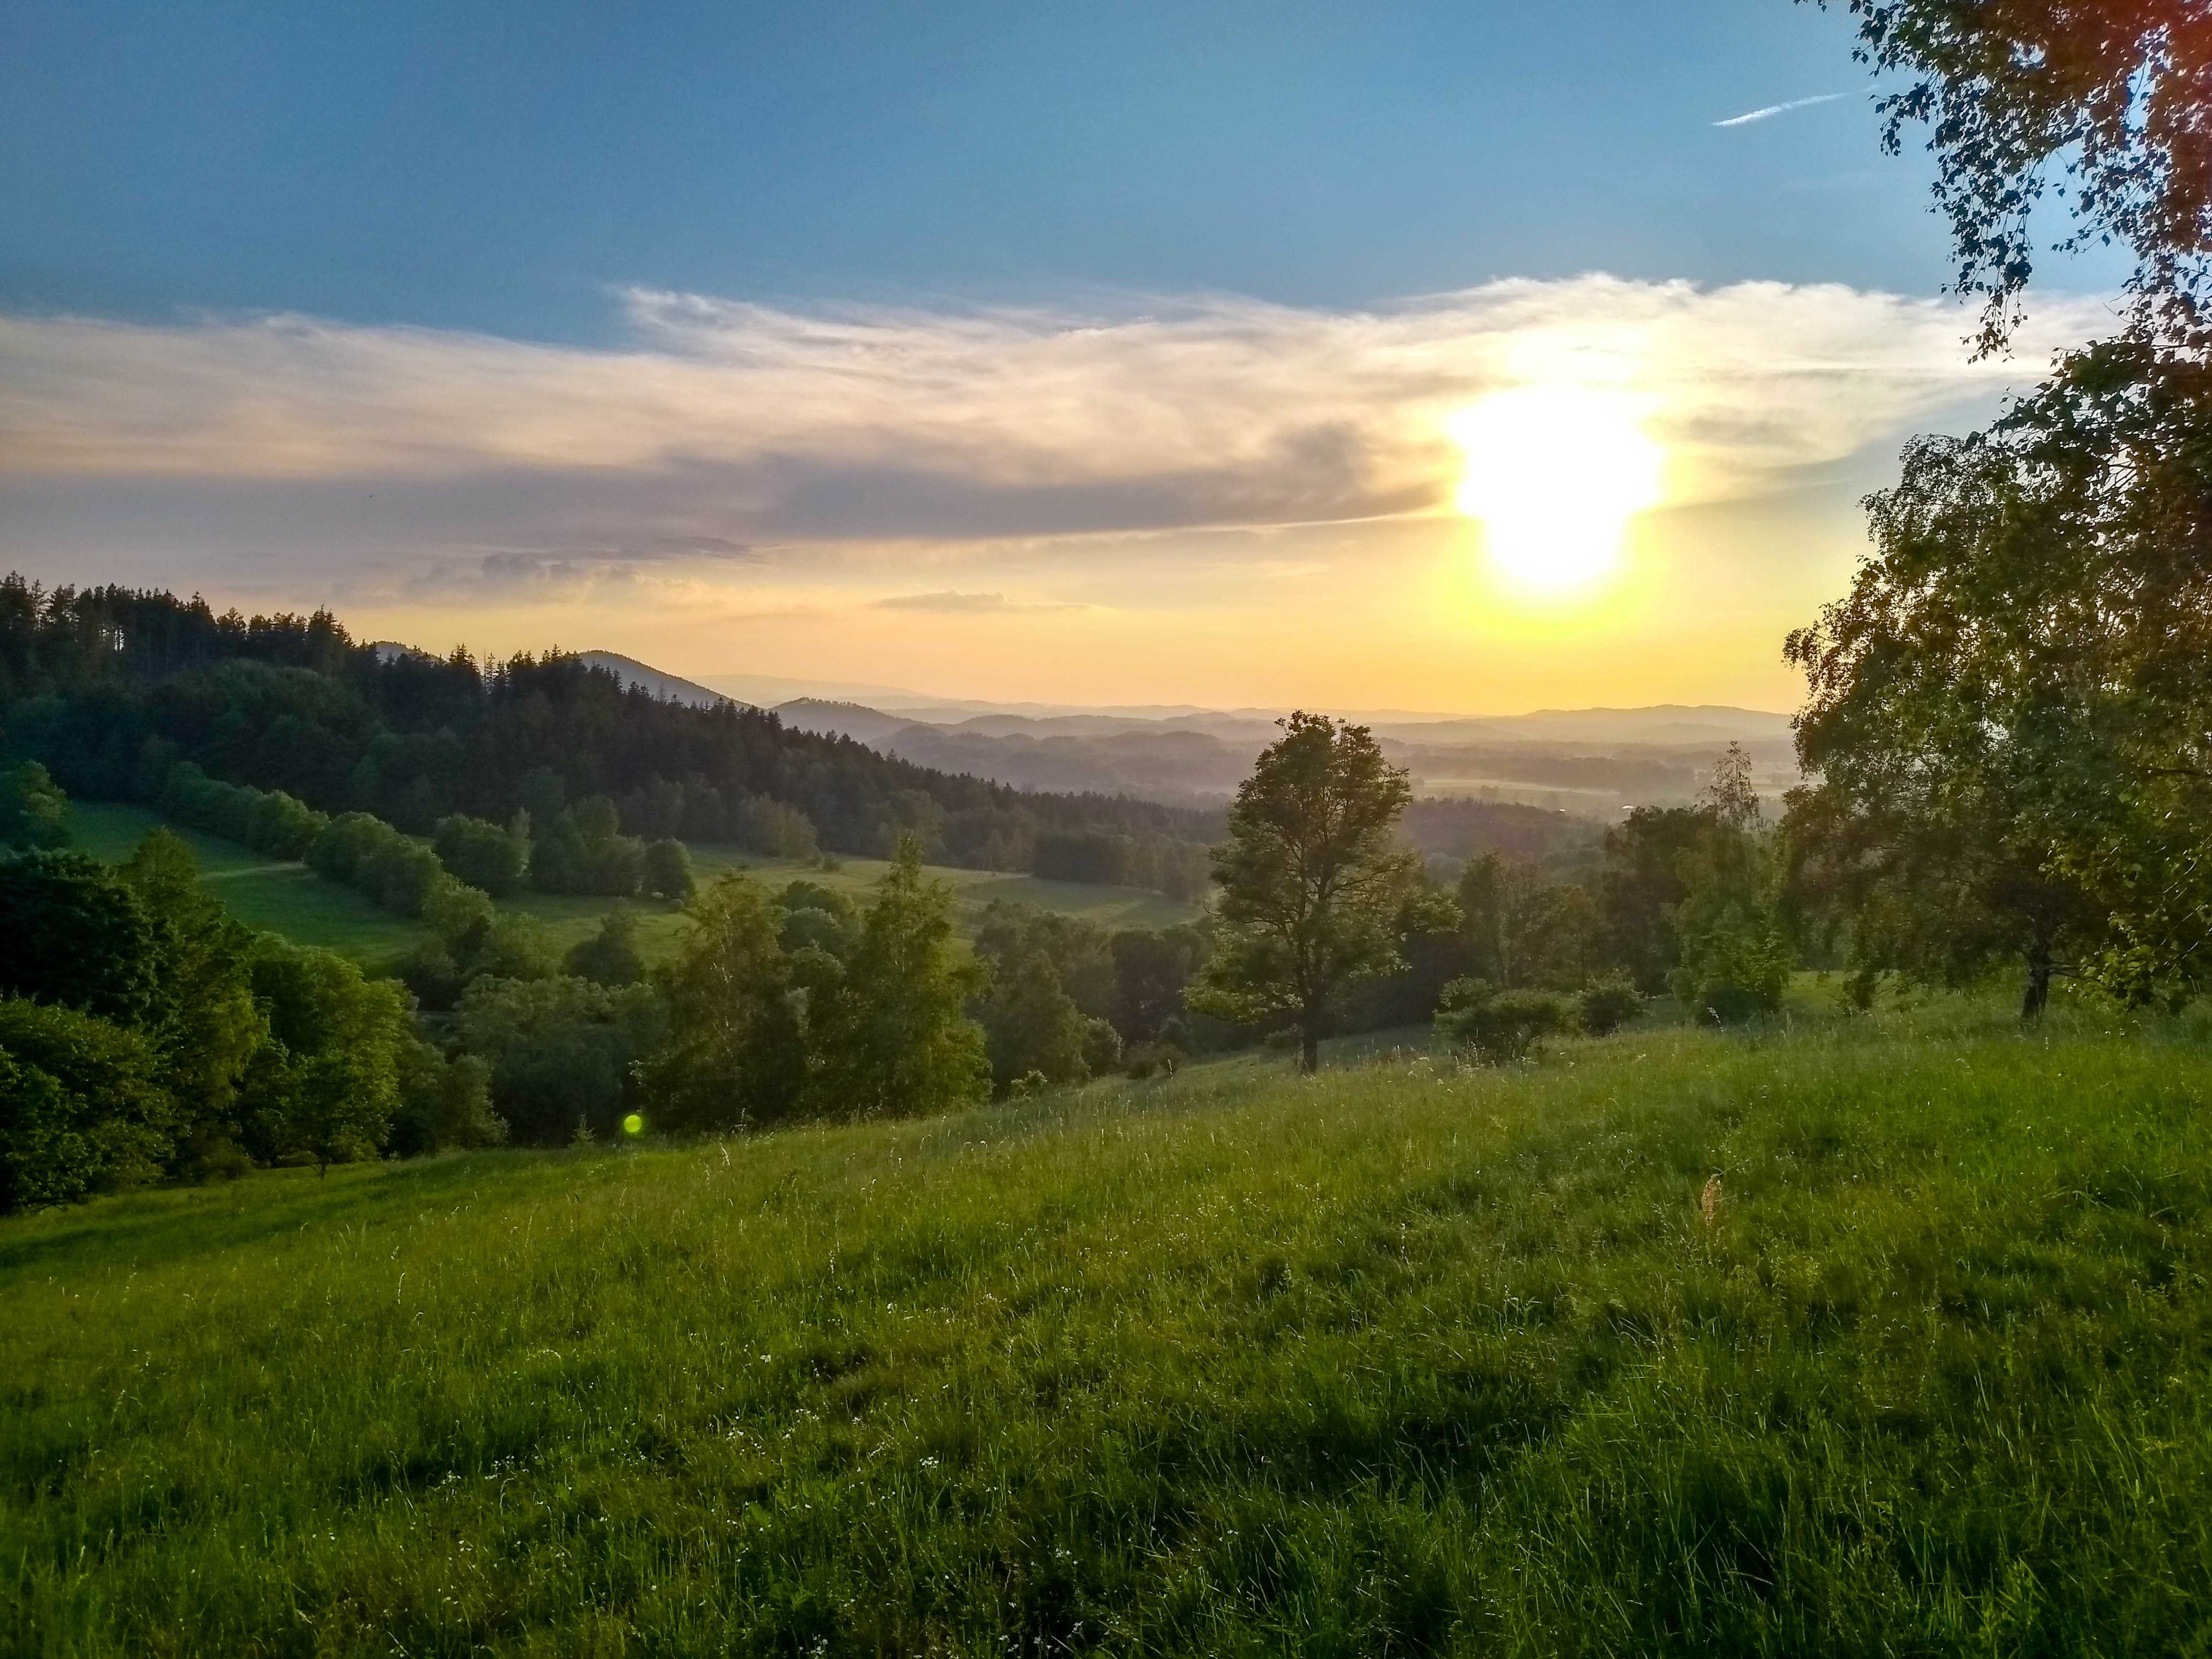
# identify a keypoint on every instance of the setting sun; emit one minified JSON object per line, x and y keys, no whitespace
{"x":1555,"y":473}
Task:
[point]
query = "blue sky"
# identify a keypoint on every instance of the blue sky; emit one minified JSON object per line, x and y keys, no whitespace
{"x":1008,"y":350}
{"x":499,"y":167}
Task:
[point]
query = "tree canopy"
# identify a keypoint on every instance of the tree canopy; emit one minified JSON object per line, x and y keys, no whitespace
{"x":2018,"y":687}
{"x":1313,"y":884}
{"x":2107,"y":104}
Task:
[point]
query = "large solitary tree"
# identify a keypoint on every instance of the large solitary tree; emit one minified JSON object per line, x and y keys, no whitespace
{"x":1314,"y":889}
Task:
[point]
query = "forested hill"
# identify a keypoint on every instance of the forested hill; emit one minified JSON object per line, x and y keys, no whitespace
{"x":111,"y":688}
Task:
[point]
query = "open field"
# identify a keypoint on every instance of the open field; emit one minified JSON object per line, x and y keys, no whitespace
{"x":1402,"y":1359}
{"x":265,"y":894}
{"x":292,"y":900}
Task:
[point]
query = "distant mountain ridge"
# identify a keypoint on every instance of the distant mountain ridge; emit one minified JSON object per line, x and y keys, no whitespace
{"x":1591,"y":763}
{"x":672,"y":687}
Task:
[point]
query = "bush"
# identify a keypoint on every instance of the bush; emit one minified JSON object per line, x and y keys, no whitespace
{"x":345,"y":844}
{"x":72,"y":932}
{"x":810,"y":927}
{"x":34,"y":811}
{"x":1501,"y":1027}
{"x":81,"y":1111}
{"x":445,"y":1105}
{"x":402,"y":875}
{"x":668,"y":871}
{"x":429,"y":971}
{"x":324,"y":1089}
{"x":772,"y":828}
{"x":615,"y":867}
{"x":460,"y":917}
{"x":481,"y":854}
{"x":1144,"y":1060}
{"x":1609,"y":1003}
{"x":611,"y":955}
{"x":512,"y":947}
{"x":561,"y":1051}
{"x":268,"y":821}
{"x":1102,"y":1045}
{"x":1731,"y":975}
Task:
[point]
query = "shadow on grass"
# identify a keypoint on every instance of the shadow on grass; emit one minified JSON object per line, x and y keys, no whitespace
{"x":148,"y":1229}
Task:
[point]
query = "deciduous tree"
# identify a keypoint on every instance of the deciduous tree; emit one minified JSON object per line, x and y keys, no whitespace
{"x":735,"y":1056}
{"x":891,"y":1032}
{"x":2102,"y":101}
{"x":1313,"y":884}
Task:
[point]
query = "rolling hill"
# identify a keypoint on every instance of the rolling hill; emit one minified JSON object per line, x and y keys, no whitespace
{"x":1883,"y":1335}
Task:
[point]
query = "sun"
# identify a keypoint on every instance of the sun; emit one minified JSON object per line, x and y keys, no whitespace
{"x":1555,"y":473}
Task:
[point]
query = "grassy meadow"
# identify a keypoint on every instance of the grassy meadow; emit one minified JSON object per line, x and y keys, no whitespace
{"x":267,"y":894}
{"x":292,"y":900}
{"x":1879,"y":1336}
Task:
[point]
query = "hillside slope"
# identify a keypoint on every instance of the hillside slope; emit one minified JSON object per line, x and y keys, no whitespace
{"x":1398,"y":1359}
{"x":290,"y":899}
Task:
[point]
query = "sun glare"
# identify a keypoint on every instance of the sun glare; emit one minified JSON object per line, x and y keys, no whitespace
{"x":1555,"y":473}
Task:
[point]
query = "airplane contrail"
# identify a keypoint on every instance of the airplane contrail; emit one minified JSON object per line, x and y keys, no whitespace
{"x":1776,"y":109}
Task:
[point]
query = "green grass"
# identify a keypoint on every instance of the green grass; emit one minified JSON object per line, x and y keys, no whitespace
{"x":265,"y":894}
{"x":292,"y":900}
{"x":1403,"y":1358}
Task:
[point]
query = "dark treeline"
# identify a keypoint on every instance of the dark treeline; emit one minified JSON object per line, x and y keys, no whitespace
{"x":111,"y":688}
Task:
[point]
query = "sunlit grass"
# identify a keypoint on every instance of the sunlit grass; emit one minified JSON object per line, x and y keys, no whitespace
{"x":290,"y":899}
{"x":1400,"y":1359}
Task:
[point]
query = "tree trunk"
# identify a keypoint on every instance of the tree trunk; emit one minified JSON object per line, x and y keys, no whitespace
{"x":2038,"y":992}
{"x":1309,"y":1043}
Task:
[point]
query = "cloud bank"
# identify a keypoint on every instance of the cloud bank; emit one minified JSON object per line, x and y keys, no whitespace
{"x":717,"y":429}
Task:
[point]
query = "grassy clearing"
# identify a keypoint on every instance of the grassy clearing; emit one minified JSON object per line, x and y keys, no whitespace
{"x":1402,"y":1359}
{"x":292,"y":900}
{"x":266,"y":894}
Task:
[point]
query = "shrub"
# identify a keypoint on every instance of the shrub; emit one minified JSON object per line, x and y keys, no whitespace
{"x":282,"y":825}
{"x":772,"y":828}
{"x":324,"y":1089}
{"x":429,"y":971}
{"x":615,"y":867}
{"x":268,"y":821}
{"x":1501,"y":1027}
{"x":34,"y":811}
{"x":1608,"y":1003}
{"x":81,"y":1111}
{"x":668,"y":871}
{"x":445,"y":1105}
{"x":1732,"y":973}
{"x":460,"y":917}
{"x":561,"y":1050}
{"x":611,"y":955}
{"x":1144,"y":1060}
{"x":481,"y":854}
{"x":1102,"y":1045}
{"x":345,"y":844}
{"x":72,"y":932}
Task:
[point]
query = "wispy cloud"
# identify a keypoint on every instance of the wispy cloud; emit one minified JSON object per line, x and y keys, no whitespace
{"x":954,"y":603}
{"x":1749,"y":116}
{"x":730,"y":433}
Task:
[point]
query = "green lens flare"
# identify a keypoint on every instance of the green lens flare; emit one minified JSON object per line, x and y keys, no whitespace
{"x":634,"y":1124}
